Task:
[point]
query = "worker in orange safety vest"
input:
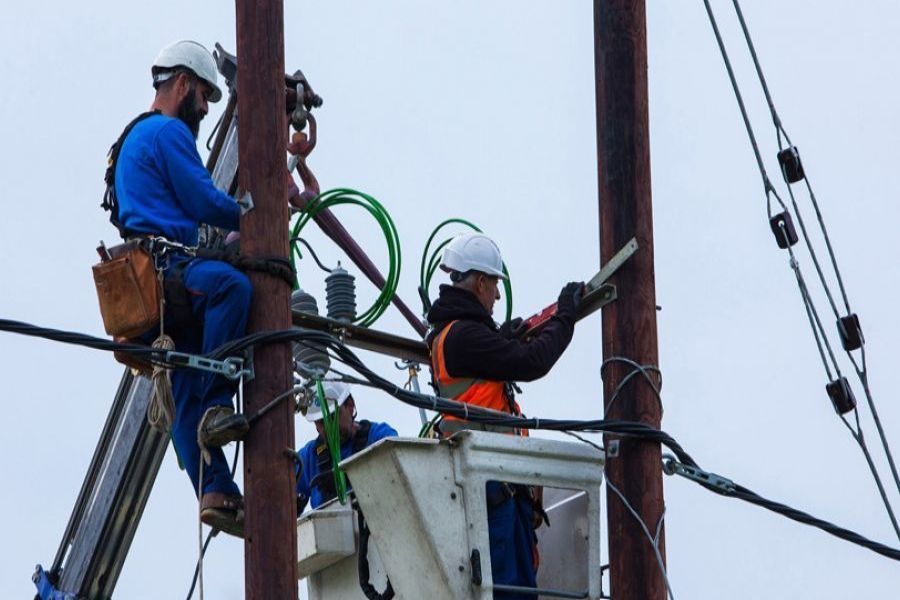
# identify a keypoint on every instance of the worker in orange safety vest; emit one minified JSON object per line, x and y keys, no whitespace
{"x":476,"y":362}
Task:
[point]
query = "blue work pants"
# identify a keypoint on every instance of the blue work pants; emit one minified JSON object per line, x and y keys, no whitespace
{"x":220,"y":301}
{"x":512,"y":540}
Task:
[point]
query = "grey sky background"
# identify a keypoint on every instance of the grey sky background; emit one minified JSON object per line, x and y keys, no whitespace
{"x":485,"y":110}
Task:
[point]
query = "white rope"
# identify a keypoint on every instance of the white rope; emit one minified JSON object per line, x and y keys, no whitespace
{"x":161,"y":411}
{"x":200,"y":525}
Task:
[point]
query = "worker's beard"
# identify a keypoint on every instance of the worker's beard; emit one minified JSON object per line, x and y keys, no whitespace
{"x":189,"y":113}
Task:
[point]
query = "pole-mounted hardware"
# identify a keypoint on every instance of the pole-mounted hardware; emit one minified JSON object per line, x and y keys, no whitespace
{"x":232,"y":367}
{"x":716,"y":483}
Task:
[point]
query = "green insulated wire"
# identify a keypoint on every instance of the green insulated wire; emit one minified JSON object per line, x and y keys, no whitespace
{"x":347,"y":196}
{"x":430,"y":264}
{"x":429,"y":426}
{"x":333,"y":442}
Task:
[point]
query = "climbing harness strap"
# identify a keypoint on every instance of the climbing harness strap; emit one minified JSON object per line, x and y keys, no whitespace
{"x":110,"y":201}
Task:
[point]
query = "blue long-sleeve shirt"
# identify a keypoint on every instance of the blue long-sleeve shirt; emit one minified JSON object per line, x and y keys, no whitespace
{"x":163,"y":187}
{"x":309,"y":462}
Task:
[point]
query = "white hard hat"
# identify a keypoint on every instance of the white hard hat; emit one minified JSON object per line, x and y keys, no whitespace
{"x":473,"y":252}
{"x":190,"y":55}
{"x":335,"y":394}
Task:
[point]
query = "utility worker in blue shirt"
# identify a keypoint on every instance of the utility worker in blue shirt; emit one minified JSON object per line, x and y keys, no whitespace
{"x":315,"y":480}
{"x":163,"y":189}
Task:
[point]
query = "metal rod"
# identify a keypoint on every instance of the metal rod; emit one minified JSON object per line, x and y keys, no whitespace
{"x":527,"y":591}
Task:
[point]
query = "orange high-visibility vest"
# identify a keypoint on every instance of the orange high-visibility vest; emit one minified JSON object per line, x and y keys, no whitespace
{"x":478,"y":392}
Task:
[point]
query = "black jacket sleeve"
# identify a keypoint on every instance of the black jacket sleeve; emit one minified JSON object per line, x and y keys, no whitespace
{"x":473,"y":349}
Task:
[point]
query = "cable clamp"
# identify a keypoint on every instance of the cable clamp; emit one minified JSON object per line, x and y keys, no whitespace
{"x":717,"y":483}
{"x":232,"y":367}
{"x":245,"y":202}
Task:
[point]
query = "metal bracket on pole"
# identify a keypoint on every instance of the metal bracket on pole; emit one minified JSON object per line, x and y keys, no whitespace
{"x":232,"y":367}
{"x":413,"y":368}
{"x":246,"y":203}
{"x":717,"y":483}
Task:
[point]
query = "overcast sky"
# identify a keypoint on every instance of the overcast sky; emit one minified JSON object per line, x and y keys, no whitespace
{"x":485,"y":110}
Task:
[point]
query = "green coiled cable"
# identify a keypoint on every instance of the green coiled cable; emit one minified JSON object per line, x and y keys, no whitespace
{"x":353,"y":197}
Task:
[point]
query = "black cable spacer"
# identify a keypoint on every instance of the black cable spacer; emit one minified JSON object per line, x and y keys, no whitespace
{"x":782,"y":226}
{"x":841,"y":395}
{"x":791,"y":167}
{"x":850,"y":332}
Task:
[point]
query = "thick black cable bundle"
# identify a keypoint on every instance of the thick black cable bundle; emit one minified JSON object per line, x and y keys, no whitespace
{"x":81,"y":339}
{"x":362,"y":564}
{"x":801,"y":517}
{"x":471,"y":413}
{"x":451,"y":407}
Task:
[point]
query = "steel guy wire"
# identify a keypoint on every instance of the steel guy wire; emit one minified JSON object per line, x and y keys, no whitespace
{"x":213,"y":532}
{"x":815,"y":322}
{"x":767,"y":183}
{"x":864,"y":379}
{"x":769,"y":188}
{"x":780,"y":130}
{"x":861,"y":372}
{"x":637,"y":369}
{"x":860,"y":440}
{"x":653,"y":541}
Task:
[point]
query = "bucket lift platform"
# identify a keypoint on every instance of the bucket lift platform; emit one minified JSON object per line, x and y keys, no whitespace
{"x":425,"y":504}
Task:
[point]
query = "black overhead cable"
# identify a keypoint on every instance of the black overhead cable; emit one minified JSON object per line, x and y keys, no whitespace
{"x":819,"y":333}
{"x":472,"y":413}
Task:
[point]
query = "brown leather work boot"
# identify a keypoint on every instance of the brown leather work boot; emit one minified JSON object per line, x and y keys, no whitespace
{"x":221,"y":425}
{"x":223,"y":512}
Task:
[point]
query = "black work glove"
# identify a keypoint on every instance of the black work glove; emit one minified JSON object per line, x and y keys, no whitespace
{"x":569,"y":299}
{"x":513,"y":328}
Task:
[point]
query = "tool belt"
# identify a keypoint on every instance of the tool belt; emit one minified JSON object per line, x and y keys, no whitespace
{"x":128,"y":290}
{"x":130,"y":287}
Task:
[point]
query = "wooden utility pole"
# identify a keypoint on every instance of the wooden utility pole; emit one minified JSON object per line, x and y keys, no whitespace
{"x":629,"y":323}
{"x":270,"y":546}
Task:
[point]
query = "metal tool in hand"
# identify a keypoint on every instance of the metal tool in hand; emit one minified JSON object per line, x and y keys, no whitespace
{"x":597,"y":293}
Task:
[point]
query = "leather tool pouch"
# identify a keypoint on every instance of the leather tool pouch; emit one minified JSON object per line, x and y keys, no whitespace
{"x":128,"y":290}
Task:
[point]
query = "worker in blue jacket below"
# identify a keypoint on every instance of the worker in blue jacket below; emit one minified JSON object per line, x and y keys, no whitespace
{"x":163,"y":189}
{"x":315,"y":479}
{"x":474,"y":361}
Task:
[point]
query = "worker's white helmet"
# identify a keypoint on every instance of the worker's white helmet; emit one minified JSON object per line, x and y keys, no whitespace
{"x":190,"y":55}
{"x":473,"y":252}
{"x":335,"y":394}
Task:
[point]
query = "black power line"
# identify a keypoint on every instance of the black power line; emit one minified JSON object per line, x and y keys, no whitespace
{"x":473,"y":413}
